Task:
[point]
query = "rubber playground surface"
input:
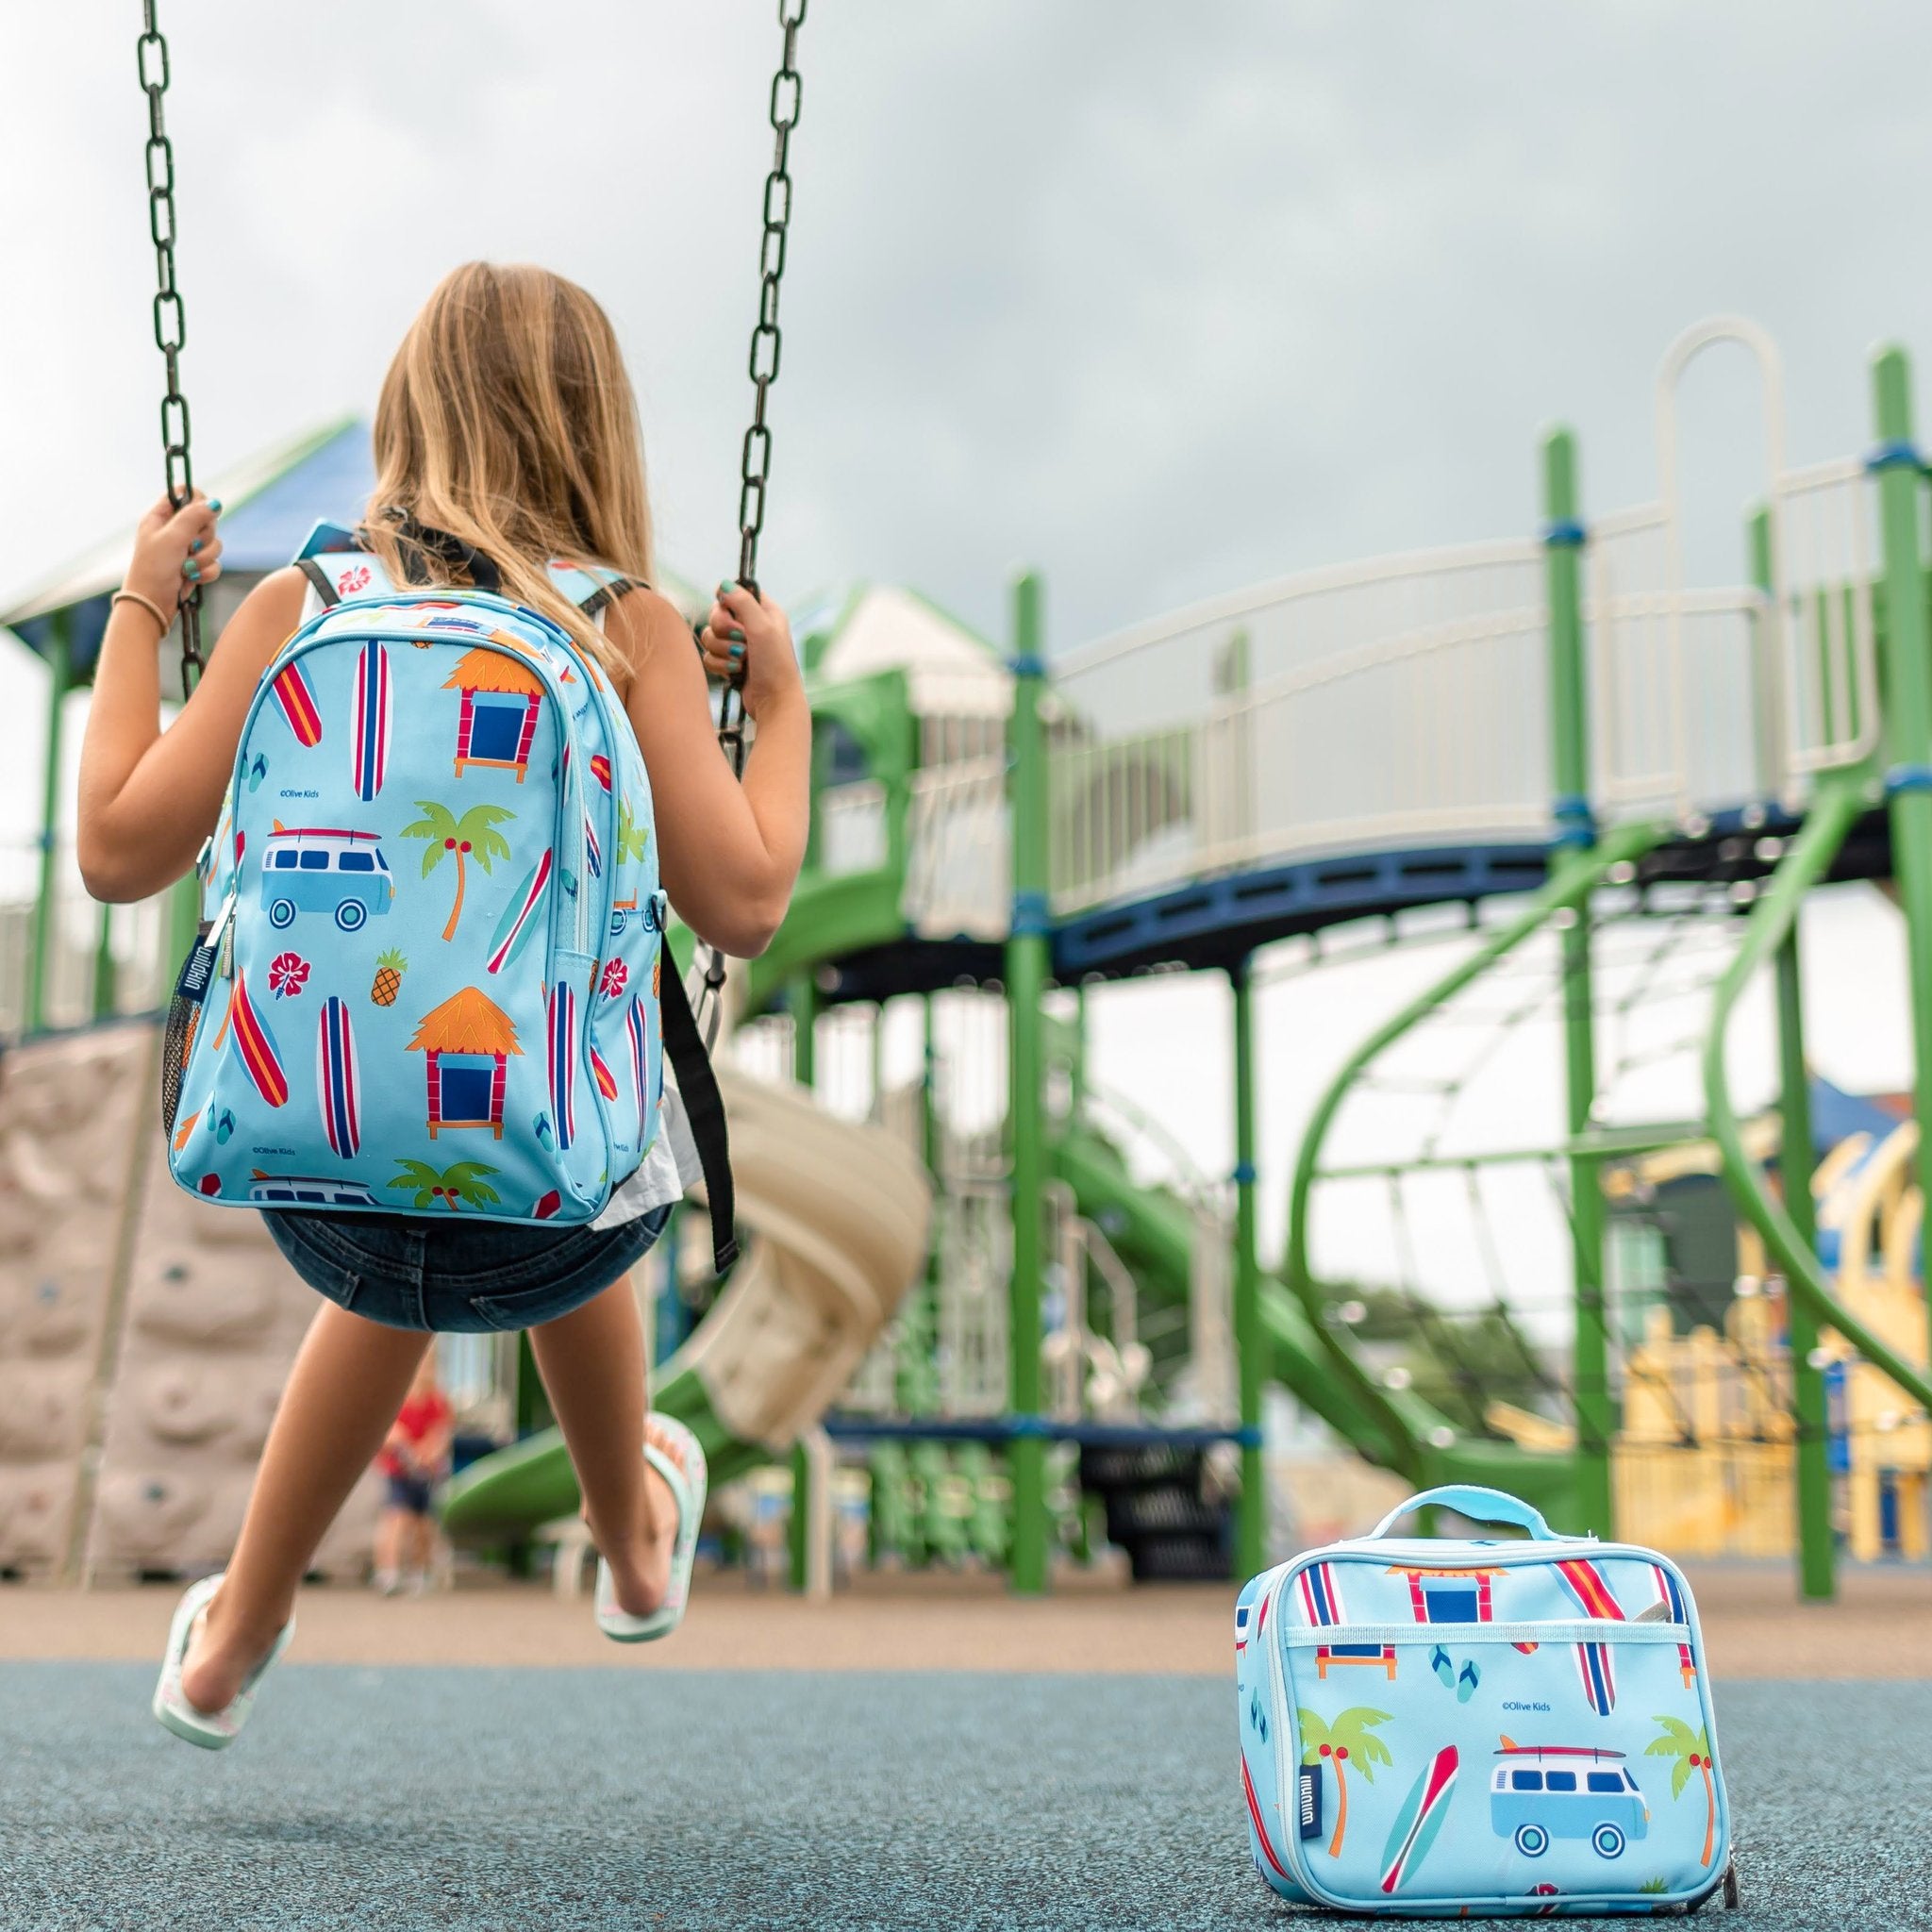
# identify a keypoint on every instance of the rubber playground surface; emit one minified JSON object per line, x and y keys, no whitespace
{"x":514,"y":1799}
{"x":993,"y":1794}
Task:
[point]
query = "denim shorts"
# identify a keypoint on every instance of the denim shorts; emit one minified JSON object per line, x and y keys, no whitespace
{"x":457,"y":1277}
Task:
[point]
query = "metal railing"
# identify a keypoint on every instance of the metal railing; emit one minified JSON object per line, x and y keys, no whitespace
{"x":1397,"y":702}
{"x":851,"y":828}
{"x":958,"y":850}
{"x":100,"y":960}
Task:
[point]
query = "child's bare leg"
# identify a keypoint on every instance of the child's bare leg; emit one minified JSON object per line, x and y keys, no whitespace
{"x":592,"y":1365}
{"x":422,"y":1542}
{"x":391,"y":1527}
{"x":349,"y":1379}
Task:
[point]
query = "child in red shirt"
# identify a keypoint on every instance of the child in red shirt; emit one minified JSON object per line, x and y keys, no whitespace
{"x":415,"y":1458}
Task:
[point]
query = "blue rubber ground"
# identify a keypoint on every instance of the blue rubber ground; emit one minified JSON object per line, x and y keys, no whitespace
{"x":519,"y":1800}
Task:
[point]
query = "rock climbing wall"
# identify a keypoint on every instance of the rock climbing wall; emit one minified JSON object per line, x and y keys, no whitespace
{"x":144,"y":1335}
{"x":213,"y":1318}
{"x":67,"y":1114}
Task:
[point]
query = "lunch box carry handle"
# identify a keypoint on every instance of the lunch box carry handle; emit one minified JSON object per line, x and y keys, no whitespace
{"x":1479,"y":1504}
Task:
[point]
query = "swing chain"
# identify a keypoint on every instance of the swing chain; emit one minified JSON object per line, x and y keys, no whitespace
{"x":171,"y":320}
{"x":762,"y":365}
{"x":763,"y":361}
{"x":756,"y":461}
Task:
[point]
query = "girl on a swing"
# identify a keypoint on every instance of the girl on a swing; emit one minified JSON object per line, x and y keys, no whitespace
{"x":507,"y":423}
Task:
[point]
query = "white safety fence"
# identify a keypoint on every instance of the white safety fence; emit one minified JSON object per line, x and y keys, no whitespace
{"x":958,"y":851}
{"x":1828,"y":557}
{"x":131,"y":977}
{"x":1711,"y":697}
{"x":1403,"y":701}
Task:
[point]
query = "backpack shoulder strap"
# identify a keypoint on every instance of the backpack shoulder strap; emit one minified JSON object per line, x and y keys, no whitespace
{"x":591,"y":588}
{"x":338,"y":567}
{"x":704,"y":1107}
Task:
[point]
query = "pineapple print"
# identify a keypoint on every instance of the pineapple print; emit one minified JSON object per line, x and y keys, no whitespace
{"x":390,"y":967}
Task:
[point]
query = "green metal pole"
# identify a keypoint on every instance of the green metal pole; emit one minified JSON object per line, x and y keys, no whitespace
{"x":47,"y":910}
{"x":1026,"y":967}
{"x":106,"y":976}
{"x":1250,"y":1343}
{"x":1076,"y":1073}
{"x":1577,"y":831}
{"x":803,"y":999}
{"x":805,"y":1014}
{"x":1816,"y":1556}
{"x":1906,"y":682}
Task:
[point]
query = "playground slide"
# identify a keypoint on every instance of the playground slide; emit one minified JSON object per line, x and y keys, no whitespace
{"x":1152,"y":1230}
{"x":836,"y":1219}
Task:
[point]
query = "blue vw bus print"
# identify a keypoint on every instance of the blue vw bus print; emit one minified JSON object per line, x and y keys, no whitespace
{"x":1544,"y":1791}
{"x":311,"y":869}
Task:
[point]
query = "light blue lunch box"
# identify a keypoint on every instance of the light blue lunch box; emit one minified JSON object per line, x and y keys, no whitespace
{"x":1487,"y":1728}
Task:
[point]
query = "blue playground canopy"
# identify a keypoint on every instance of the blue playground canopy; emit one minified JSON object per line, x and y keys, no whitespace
{"x":270,"y":504}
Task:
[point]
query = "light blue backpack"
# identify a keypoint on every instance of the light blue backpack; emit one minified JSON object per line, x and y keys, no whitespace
{"x":1484,"y":1729}
{"x":429,"y":979}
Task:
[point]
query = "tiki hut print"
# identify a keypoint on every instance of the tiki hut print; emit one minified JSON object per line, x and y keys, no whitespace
{"x":501,"y":701}
{"x":468,"y":1041}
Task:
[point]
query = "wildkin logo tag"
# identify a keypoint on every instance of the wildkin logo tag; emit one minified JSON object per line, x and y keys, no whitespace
{"x":197,"y":970}
{"x":1312,"y":1800}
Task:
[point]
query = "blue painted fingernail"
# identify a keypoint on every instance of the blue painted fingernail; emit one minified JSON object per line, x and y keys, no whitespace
{"x":214,"y":503}
{"x":190,"y":570}
{"x":737,"y":636}
{"x":194,"y":546}
{"x":736,"y":652}
{"x":726,"y":589}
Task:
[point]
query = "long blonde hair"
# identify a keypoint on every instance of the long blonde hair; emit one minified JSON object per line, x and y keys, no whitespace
{"x":506,"y":420}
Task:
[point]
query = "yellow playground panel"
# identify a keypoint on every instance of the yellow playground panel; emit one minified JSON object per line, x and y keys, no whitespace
{"x":1704,"y":1464}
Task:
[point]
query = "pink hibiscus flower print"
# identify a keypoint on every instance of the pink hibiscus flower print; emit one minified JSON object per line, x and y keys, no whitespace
{"x":288,"y":973}
{"x":615,"y":975}
{"x":351,"y":580}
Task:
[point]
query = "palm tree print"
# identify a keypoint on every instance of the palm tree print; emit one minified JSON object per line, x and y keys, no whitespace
{"x":1347,"y":1741}
{"x":1692,"y":1750}
{"x":632,"y":839}
{"x":473,"y":836}
{"x":456,"y":1187}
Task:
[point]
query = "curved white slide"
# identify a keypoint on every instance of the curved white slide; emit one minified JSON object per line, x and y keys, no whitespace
{"x":837,"y":1215}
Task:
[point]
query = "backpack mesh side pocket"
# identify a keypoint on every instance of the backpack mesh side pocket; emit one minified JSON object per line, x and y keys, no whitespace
{"x":184,"y":1017}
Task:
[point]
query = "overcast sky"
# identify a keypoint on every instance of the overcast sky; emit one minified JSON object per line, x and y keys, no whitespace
{"x":1162,"y":300}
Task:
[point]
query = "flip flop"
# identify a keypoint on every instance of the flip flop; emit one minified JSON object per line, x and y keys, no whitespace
{"x":1443,"y":1666}
{"x":212,"y":1730}
{"x":1466,"y":1683}
{"x":688,"y":1487}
